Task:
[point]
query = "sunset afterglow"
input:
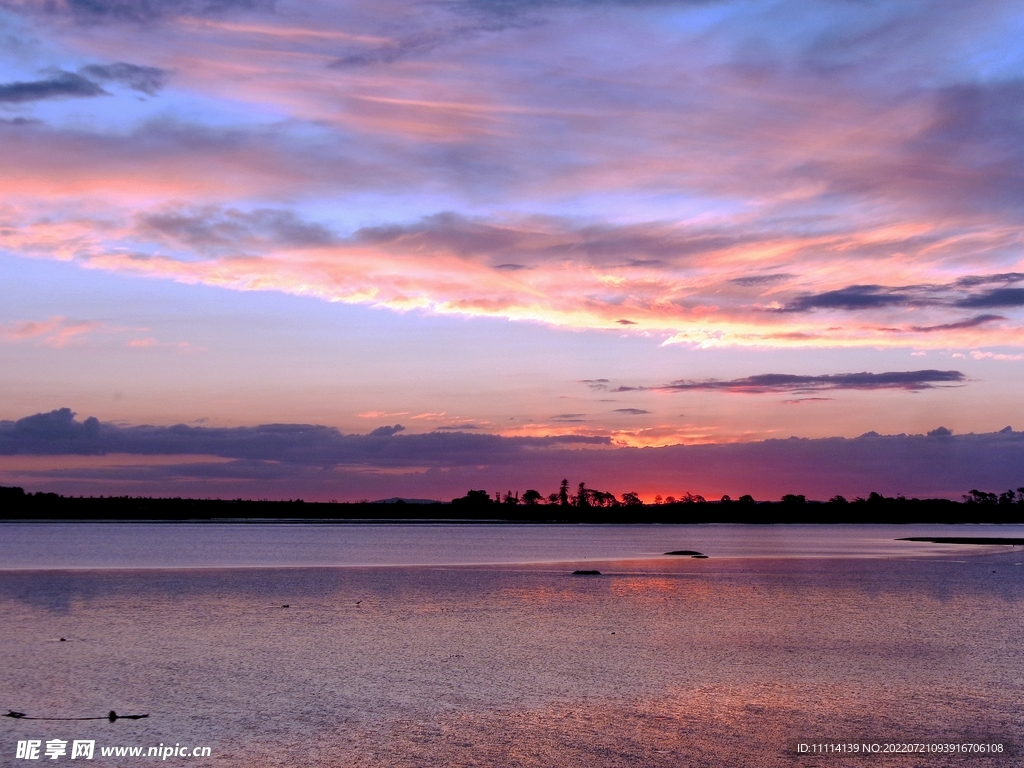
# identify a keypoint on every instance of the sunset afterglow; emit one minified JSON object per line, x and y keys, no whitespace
{"x":604,"y":226}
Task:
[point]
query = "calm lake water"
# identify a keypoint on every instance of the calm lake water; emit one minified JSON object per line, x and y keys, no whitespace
{"x":432,"y":645}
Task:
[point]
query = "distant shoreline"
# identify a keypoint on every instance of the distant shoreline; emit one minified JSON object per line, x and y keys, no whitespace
{"x":478,"y":508}
{"x":7,"y":519}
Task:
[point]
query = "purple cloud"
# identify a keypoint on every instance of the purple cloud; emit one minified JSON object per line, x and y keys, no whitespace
{"x":289,"y":460}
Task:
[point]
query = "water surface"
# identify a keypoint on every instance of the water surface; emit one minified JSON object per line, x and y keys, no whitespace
{"x":786,"y":634}
{"x":205,"y":545}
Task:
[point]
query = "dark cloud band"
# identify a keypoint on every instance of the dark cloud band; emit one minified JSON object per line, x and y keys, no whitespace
{"x":958,"y":294}
{"x":289,"y":460}
{"x":85,"y":84}
{"x":147,"y":80}
{"x":59,"y":432}
{"x":134,"y":10}
{"x":63,"y":85}
{"x":785,"y":383}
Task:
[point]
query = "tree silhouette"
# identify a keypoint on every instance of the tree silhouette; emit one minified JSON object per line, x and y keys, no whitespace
{"x":563,"y":493}
{"x":582,"y":497}
{"x":531,"y":497}
{"x":980,"y":497}
{"x":474,"y":499}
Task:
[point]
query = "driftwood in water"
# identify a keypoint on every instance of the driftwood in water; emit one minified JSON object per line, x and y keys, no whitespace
{"x":111,"y":716}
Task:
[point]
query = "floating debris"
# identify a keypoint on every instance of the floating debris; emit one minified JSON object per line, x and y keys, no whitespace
{"x":981,"y":540}
{"x":111,"y":716}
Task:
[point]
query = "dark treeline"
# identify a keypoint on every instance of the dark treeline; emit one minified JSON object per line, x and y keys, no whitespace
{"x":588,"y":505}
{"x":582,"y":505}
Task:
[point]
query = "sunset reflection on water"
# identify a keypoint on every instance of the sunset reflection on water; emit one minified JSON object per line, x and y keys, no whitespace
{"x":660,"y":662}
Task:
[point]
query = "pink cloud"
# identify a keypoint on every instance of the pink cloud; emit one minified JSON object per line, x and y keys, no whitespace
{"x":59,"y":331}
{"x":56,"y":331}
{"x":575,"y":277}
{"x":882,"y":173}
{"x":982,"y":355}
{"x":151,"y":343}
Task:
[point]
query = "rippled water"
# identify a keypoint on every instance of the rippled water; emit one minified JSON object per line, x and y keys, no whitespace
{"x":657,"y":662}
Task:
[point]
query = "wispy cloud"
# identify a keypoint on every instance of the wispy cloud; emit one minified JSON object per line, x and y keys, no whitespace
{"x":994,"y":298}
{"x":973,"y":322}
{"x":84,"y":84}
{"x":56,"y":331}
{"x":765,"y":383}
{"x":148,"y":80}
{"x":578,"y":276}
{"x":61,"y":85}
{"x":984,"y":355}
{"x":570,"y":418}
{"x":149,"y":342}
{"x":960,"y":293}
{"x":760,"y":281}
{"x":841,"y":185}
{"x":92,"y":11}
{"x":213,"y":230}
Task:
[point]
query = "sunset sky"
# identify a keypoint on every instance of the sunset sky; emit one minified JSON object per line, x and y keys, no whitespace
{"x":492,"y":243}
